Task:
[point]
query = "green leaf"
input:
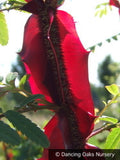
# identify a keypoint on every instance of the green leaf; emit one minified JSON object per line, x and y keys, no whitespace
{"x":105,"y":11}
{"x":108,"y":119}
{"x":3,"y":30}
{"x":113,"y":89}
{"x":60,"y":2}
{"x":116,"y":101}
{"x":31,"y":99}
{"x":16,"y":0}
{"x":115,"y":38}
{"x":21,"y":1}
{"x":11,"y":77}
{"x":113,"y":139}
{"x":23,"y":81}
{"x":104,"y":103}
{"x":1,"y":110}
{"x":99,"y":44}
{"x":8,"y":135}
{"x":1,"y":78}
{"x":101,"y":13}
{"x":92,"y":48}
{"x":28,"y":128}
{"x":108,"y":40}
{"x":98,"y":6}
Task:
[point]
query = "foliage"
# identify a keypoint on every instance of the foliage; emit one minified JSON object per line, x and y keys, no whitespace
{"x":8,"y":135}
{"x":27,"y":149}
{"x":102,"y":9}
{"x":29,"y":129}
{"x":3,"y":30}
{"x":108,"y":71}
{"x":7,"y":5}
{"x":17,"y":119}
{"x":113,"y":139}
{"x":23,"y":137}
{"x":108,"y":40}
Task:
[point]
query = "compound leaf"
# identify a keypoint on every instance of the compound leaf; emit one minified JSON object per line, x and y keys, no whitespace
{"x":8,"y":135}
{"x":28,"y":128}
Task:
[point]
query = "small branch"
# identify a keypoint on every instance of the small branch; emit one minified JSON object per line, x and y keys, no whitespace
{"x":23,"y":92}
{"x":34,"y":107}
{"x":107,"y":127}
{"x":8,"y":9}
{"x":107,"y":105}
{"x":13,"y":5}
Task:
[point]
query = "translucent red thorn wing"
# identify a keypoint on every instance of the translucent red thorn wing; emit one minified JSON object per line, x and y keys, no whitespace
{"x":76,"y":62}
{"x":33,"y":55}
{"x":53,"y":132}
{"x":54,"y":135}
